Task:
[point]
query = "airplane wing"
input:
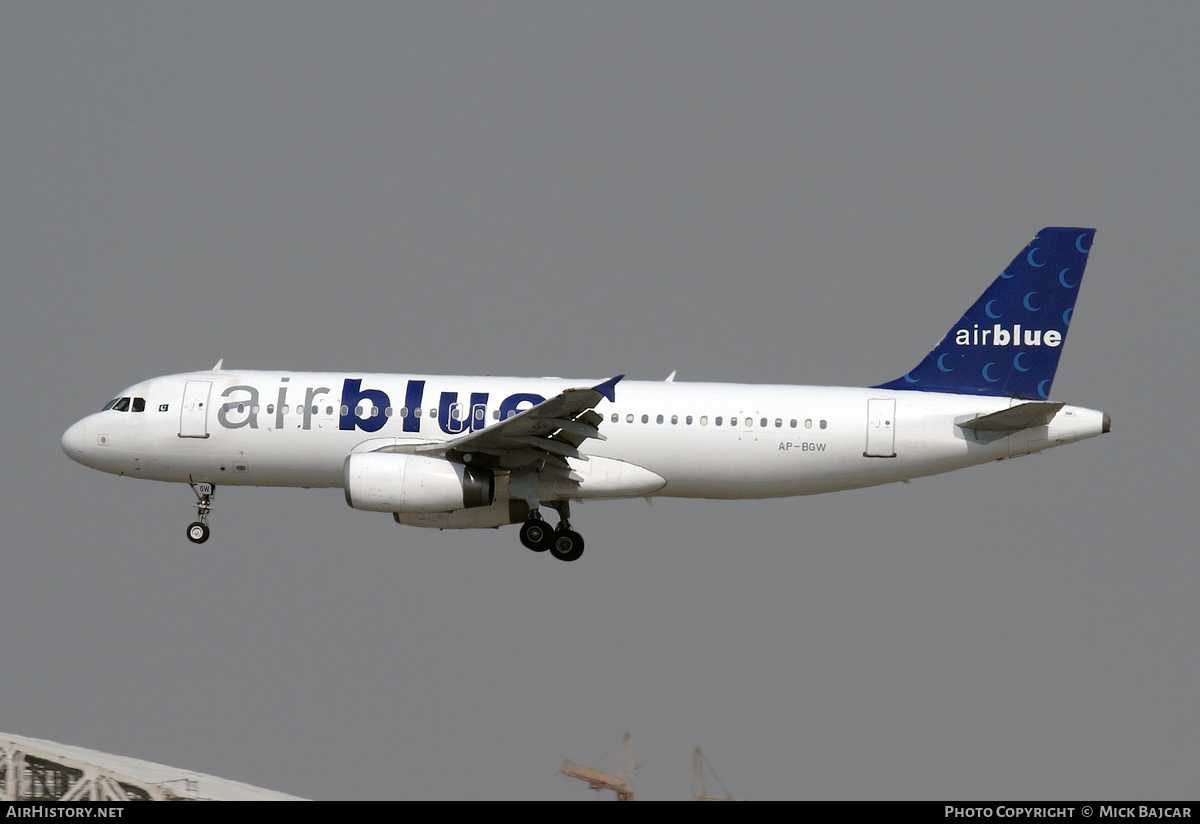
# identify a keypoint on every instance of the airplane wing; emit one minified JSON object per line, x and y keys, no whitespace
{"x":541,"y":437}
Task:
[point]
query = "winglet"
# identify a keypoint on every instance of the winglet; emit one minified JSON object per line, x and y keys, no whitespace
{"x":609,"y":388}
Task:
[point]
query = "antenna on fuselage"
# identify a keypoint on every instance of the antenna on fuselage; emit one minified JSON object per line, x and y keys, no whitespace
{"x":217,"y":367}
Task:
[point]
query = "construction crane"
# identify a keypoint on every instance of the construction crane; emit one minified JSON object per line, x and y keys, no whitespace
{"x":621,"y":784}
{"x":699,"y":787}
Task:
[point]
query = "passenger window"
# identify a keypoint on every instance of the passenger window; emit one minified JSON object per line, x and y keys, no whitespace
{"x":763,"y":423}
{"x":793,"y":423}
{"x":659,"y":420}
{"x":717,"y":421}
{"x":779,"y":423}
{"x":823,"y":424}
{"x":808,"y":423}
{"x":704,"y":420}
{"x":689,"y":420}
{"x":629,"y":418}
{"x":645,"y":419}
{"x":387,"y":413}
{"x":749,"y":422}
{"x":615,"y":417}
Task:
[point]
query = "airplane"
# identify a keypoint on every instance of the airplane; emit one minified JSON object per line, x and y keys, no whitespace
{"x":463,"y":452}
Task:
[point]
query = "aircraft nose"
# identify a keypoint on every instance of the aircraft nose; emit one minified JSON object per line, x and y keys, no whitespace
{"x":74,"y":441}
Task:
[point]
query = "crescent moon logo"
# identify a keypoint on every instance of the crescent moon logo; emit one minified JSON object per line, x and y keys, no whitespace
{"x":1067,"y":316}
{"x":1063,"y":279}
{"x":1033,"y":262}
{"x":1079,"y":244}
{"x":911,"y":379}
{"x":988,"y":308}
{"x":1017,"y":363}
{"x":1005,"y":275}
{"x":1041,"y":388}
{"x":1026,"y":302}
{"x":986,"y":376}
{"x":942,"y":366}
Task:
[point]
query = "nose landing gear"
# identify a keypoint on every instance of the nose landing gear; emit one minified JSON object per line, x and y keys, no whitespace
{"x":198,"y":531}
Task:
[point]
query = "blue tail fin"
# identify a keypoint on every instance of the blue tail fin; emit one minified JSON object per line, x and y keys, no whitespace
{"x":1009,"y":342}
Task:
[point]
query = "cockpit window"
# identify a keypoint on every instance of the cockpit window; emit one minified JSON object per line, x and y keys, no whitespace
{"x":125,"y":405}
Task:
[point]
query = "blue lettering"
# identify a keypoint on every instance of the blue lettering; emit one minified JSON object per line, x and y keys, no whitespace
{"x":352,"y":395}
{"x":510,"y":404}
{"x":465,"y":420}
{"x":412,"y":402}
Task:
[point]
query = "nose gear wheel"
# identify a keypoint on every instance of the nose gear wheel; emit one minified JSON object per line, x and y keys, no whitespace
{"x":198,"y":531}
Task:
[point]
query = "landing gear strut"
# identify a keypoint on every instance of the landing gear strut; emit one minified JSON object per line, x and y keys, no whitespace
{"x":198,"y":531}
{"x":564,"y":543}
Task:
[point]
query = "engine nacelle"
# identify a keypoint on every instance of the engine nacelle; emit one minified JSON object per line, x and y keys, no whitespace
{"x":399,"y":482}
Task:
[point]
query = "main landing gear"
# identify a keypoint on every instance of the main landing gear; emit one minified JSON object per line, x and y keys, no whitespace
{"x":563,"y":543}
{"x":198,"y":531}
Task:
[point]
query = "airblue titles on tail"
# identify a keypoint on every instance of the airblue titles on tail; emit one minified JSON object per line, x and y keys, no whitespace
{"x":1009,"y":342}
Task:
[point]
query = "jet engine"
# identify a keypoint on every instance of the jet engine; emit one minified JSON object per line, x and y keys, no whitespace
{"x":399,"y":482}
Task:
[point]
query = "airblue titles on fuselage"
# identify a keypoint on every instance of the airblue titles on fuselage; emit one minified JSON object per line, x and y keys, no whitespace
{"x":241,"y":407}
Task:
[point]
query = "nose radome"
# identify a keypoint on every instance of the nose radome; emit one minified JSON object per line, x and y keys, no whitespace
{"x":74,"y":441}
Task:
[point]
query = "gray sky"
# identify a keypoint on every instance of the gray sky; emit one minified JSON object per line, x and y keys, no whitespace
{"x":761,"y":192}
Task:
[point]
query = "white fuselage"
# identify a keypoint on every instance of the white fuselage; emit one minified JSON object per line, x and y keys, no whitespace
{"x":695,"y":440}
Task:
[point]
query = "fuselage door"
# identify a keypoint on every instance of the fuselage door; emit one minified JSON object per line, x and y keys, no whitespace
{"x":193,"y":416}
{"x":881,"y":428}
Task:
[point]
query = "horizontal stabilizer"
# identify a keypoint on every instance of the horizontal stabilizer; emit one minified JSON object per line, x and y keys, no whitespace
{"x":1025,"y":416}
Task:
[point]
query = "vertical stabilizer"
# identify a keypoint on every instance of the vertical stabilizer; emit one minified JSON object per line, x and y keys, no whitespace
{"x":1008,"y":343}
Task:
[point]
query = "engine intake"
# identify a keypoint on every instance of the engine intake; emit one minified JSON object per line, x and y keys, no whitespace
{"x":397,"y":482}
